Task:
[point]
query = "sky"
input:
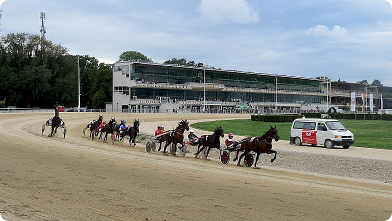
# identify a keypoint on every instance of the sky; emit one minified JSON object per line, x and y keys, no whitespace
{"x":347,"y":40}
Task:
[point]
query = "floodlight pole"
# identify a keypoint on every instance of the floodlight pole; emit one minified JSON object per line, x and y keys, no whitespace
{"x":276,"y":93}
{"x":327,"y":95}
{"x":204,"y":89}
{"x":78,"y":86}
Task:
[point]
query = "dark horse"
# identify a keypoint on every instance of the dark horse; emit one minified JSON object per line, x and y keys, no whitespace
{"x":174,"y":136}
{"x":94,"y":127}
{"x":56,"y":122}
{"x":259,"y":145}
{"x":210,"y":141}
{"x":131,"y":132}
{"x":108,"y":129}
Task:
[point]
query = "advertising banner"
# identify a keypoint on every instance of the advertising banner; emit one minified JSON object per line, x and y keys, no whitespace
{"x":353,"y":102}
{"x":371,"y":102}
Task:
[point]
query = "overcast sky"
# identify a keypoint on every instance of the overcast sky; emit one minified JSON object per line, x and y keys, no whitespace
{"x":350,"y":40}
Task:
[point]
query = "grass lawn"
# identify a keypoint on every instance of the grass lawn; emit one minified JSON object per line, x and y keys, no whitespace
{"x":367,"y":133}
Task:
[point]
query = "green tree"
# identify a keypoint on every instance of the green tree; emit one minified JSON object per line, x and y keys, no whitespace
{"x":376,"y":83}
{"x":134,"y":56}
{"x":362,"y":82}
{"x":325,"y":78}
{"x":175,"y":61}
{"x":31,"y":71}
{"x":100,"y":85}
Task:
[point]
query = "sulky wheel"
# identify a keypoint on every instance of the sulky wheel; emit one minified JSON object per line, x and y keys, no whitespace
{"x":43,"y":129}
{"x":153,"y":145}
{"x":148,"y":146}
{"x":248,"y":160}
{"x":225,"y":157}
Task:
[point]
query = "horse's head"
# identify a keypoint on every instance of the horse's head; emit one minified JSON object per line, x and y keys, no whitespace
{"x":219,"y":131}
{"x":100,"y":118}
{"x":186,"y":125}
{"x":136,"y":123}
{"x":273,"y":133}
{"x":112,"y":121}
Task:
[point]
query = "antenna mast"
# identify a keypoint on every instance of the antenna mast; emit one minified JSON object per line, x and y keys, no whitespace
{"x":43,"y":31}
{"x":1,"y":11}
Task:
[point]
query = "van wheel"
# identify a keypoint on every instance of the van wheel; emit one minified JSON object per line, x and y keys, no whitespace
{"x":346,"y":146}
{"x":328,"y":144}
{"x":297,"y":141}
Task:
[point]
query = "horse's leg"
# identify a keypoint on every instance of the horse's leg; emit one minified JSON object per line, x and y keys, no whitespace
{"x":242,"y":155}
{"x":236,"y":155}
{"x":257,"y":158}
{"x":208,"y":151}
{"x":164,"y":148}
{"x":199,"y":150}
{"x":198,"y":146}
{"x":160,"y":143}
{"x":272,"y":160}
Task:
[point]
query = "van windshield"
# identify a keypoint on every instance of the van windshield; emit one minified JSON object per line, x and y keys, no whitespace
{"x":335,"y":125}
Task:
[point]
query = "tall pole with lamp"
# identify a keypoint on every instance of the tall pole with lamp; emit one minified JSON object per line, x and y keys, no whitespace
{"x":78,"y":86}
{"x":276,"y":93}
{"x":204,"y":88}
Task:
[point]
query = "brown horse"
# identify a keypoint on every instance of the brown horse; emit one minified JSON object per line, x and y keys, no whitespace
{"x":108,"y":129}
{"x":56,"y":122}
{"x":258,"y":145}
{"x":175,"y":136}
{"x":94,"y":127}
{"x":210,"y":141}
{"x":131,"y":132}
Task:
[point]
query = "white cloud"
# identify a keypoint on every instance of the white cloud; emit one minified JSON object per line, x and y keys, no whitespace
{"x":390,"y":1}
{"x":238,"y":11}
{"x":2,"y":1}
{"x":324,"y":31}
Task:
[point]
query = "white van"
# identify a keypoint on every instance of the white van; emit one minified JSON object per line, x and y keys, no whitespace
{"x":324,"y":132}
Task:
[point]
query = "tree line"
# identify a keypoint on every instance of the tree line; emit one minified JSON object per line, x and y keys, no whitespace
{"x":35,"y":72}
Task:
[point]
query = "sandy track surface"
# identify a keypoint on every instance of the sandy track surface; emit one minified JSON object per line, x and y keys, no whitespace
{"x":51,"y":178}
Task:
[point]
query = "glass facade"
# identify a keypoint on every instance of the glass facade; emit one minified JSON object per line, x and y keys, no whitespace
{"x":290,"y":89}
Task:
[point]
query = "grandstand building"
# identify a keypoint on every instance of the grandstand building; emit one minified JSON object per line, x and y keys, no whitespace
{"x":163,"y":88}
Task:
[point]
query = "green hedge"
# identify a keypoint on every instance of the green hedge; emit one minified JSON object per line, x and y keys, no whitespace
{"x":291,"y":118}
{"x":274,"y":118}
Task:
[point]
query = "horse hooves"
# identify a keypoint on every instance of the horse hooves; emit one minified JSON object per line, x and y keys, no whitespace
{"x":235,"y":159}
{"x":272,"y":160}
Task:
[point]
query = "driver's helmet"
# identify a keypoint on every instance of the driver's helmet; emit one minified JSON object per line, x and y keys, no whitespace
{"x":191,"y":131}
{"x":124,"y":122}
{"x":230,"y":134}
{"x":159,"y":126}
{"x":104,"y":121}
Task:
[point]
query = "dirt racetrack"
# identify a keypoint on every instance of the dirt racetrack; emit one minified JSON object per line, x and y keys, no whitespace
{"x":51,"y":178}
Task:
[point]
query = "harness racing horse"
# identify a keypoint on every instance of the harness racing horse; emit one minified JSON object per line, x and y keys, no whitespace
{"x":210,"y":141}
{"x":129,"y":131}
{"x":94,"y":127}
{"x":56,"y":122}
{"x":175,"y":136}
{"x":259,"y":145}
{"x":108,"y":129}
